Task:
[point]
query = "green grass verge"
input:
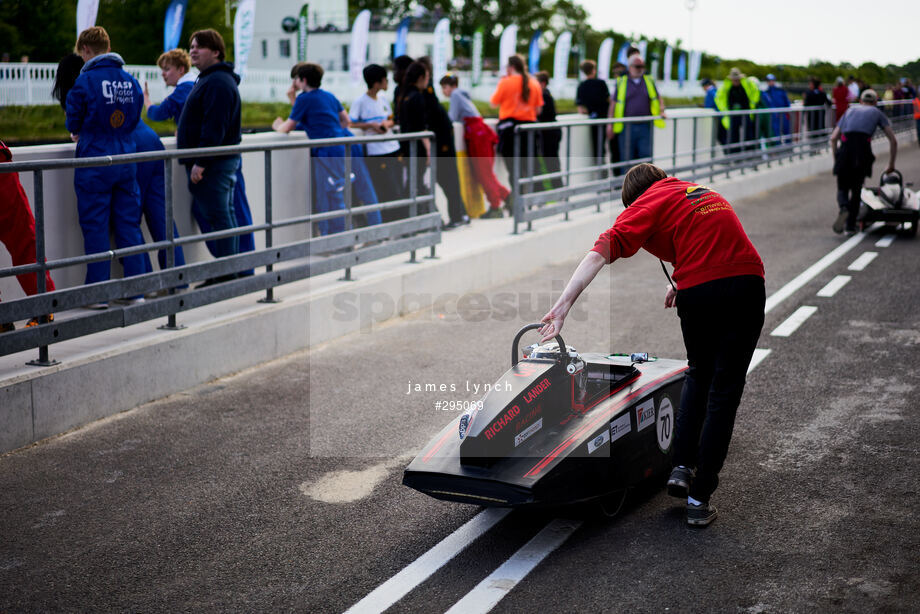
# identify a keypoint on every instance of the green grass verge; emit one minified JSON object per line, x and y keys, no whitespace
{"x":32,"y":125}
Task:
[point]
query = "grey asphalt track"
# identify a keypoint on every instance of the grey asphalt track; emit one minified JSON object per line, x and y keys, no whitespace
{"x":278,"y":489}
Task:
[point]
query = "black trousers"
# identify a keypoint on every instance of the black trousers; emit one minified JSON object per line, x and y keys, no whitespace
{"x":449,"y":179}
{"x":549,"y":146}
{"x":386,"y":174}
{"x":849,"y":191}
{"x":721,"y":322}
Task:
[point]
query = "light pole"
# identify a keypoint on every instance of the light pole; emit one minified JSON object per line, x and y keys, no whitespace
{"x":690,"y":4}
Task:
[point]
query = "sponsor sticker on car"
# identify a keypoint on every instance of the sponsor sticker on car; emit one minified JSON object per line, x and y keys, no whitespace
{"x":619,"y":427}
{"x":664,"y":425}
{"x":645,"y":414}
{"x":598,"y":441}
{"x":530,"y":430}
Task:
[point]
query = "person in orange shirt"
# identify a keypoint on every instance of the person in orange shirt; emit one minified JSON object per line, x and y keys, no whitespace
{"x":518,"y":98}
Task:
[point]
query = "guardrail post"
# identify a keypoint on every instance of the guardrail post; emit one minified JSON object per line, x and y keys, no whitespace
{"x":349,"y":223}
{"x":713,"y":134}
{"x":171,"y":251}
{"x":434,"y":185}
{"x":693,"y":151}
{"x":673,"y":143}
{"x":44,"y":359}
{"x":270,"y":291}
{"x":516,"y":178}
{"x":413,"y":185}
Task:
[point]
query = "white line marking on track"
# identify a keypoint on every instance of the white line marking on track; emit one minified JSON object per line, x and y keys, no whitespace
{"x":863,"y":261}
{"x":813,"y":271}
{"x":834,"y":285}
{"x":424,"y":566}
{"x":794,"y":321}
{"x":885,"y":241}
{"x":500,"y":582}
{"x":757,"y":358}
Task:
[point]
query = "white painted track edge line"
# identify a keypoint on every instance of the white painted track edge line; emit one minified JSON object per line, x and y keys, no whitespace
{"x":423,"y":567}
{"x":834,"y":286}
{"x":793,"y":322}
{"x":757,"y":358}
{"x":500,"y":582}
{"x":863,"y":261}
{"x":885,"y":241}
{"x":813,"y":271}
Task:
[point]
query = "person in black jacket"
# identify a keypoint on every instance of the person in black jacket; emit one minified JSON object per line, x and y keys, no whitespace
{"x":448,"y":175}
{"x":211,"y":118}
{"x":549,"y":139}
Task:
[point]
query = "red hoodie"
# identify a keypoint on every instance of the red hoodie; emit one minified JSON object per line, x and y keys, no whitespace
{"x":688,"y":225}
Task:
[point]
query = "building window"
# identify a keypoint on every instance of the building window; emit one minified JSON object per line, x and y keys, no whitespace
{"x":345,"y":57}
{"x":284,"y":47}
{"x":264,"y":48}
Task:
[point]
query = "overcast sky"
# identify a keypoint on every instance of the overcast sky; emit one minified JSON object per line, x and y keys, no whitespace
{"x":774,"y":31}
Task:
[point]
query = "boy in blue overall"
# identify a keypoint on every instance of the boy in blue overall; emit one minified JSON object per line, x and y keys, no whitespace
{"x":322,"y":116}
{"x":103,"y":109}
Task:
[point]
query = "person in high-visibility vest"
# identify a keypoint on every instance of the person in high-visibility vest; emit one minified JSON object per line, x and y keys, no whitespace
{"x":736,"y":93}
{"x":635,"y":96}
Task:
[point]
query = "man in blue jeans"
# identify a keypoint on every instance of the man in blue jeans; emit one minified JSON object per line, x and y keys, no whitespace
{"x":211,"y":118}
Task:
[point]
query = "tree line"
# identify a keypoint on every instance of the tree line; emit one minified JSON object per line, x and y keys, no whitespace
{"x":44,"y":30}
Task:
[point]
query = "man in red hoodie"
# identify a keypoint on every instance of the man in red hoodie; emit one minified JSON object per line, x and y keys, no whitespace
{"x":720,"y":297}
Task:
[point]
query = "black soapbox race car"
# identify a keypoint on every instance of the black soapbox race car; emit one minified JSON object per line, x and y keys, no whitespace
{"x":557,"y":428}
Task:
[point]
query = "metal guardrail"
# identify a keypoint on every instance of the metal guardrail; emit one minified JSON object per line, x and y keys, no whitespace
{"x":304,"y":258}
{"x":600,"y":181}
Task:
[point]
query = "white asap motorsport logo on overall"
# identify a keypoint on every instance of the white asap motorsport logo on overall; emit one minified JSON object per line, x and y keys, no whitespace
{"x":664,"y":425}
{"x":121,"y":92}
{"x":645,"y":414}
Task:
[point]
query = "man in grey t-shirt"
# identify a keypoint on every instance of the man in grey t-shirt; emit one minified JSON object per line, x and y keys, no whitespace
{"x":853,"y":159}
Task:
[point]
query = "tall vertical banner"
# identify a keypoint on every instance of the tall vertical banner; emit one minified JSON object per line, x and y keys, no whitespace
{"x":561,"y":57}
{"x":402,"y":37}
{"x":696,"y":61}
{"x":86,"y":14}
{"x":603,"y":59}
{"x":478,"y":37}
{"x":507,"y":45}
{"x":172,"y":28}
{"x":302,"y":29}
{"x":357,"y":50}
{"x":668,"y":57}
{"x":443,"y":50}
{"x":643,"y":47}
{"x":243,"y":28}
{"x":681,"y":69}
{"x":621,"y":56}
{"x":533,"y":53}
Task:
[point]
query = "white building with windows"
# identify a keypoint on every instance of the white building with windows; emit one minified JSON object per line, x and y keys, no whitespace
{"x":328,"y":37}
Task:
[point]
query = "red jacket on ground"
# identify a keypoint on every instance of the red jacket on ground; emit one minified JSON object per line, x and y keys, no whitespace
{"x":688,"y":225}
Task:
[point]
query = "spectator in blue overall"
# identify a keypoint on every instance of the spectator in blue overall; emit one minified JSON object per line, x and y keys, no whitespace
{"x":321,"y":116}
{"x":103,"y":109}
{"x":775,"y":97}
{"x":150,"y":175}
{"x":211,"y":118}
{"x":151,"y":180}
{"x":175,"y":66}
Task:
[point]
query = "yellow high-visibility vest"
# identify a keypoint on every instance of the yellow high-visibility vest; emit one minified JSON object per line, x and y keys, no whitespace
{"x":620,"y":106}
